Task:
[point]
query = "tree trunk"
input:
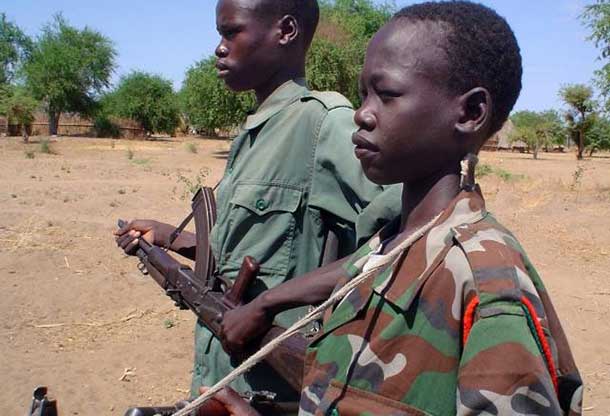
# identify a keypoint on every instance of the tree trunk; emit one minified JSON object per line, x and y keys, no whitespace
{"x":535,"y":151}
{"x":53,"y":122}
{"x":24,"y":132}
{"x":581,"y":136}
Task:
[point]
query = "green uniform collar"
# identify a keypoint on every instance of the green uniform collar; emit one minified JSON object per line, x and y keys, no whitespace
{"x":282,"y":97}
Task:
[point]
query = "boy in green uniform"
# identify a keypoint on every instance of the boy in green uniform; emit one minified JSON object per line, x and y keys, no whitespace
{"x":291,"y":175}
{"x":450,"y":316}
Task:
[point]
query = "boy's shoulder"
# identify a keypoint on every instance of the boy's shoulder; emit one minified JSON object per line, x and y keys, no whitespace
{"x":330,"y":100}
{"x":501,"y":270}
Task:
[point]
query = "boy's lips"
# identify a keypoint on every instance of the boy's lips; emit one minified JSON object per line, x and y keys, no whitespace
{"x":364,"y":147}
{"x":222,"y":69}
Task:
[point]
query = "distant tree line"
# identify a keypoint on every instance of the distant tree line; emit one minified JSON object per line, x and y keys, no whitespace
{"x":68,"y":70}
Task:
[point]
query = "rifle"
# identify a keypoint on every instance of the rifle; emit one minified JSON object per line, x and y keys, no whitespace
{"x":263,"y":402}
{"x":188,"y":292}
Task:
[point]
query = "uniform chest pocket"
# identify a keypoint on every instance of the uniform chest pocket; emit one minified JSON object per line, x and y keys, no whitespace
{"x":263,"y":223}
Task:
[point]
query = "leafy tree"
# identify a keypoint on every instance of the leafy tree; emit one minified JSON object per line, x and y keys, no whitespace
{"x":206,"y":101}
{"x":68,"y":67}
{"x":146,"y":98}
{"x":537,"y":129}
{"x":597,"y":18}
{"x":19,"y":107}
{"x":15,"y":48}
{"x":598,"y":136}
{"x":581,"y":111}
{"x":337,"y":51}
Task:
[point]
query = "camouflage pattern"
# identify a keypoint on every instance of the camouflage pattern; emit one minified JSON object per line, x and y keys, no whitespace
{"x":393,"y":346}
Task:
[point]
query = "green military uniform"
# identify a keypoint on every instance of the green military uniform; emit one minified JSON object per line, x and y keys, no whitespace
{"x":291,"y":176}
{"x":401,"y":344}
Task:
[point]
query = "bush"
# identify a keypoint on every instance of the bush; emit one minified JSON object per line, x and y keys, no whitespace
{"x":105,"y":127}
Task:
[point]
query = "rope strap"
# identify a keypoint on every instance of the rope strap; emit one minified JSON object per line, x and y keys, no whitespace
{"x":389,"y":259}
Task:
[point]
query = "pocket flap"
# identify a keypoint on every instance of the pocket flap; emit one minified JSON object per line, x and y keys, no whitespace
{"x":265,"y":198}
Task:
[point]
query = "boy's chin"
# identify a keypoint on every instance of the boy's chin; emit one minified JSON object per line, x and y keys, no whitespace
{"x":377,"y":176}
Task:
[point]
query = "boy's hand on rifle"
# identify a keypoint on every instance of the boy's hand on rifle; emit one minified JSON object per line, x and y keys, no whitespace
{"x":154,"y":232}
{"x":242,"y":325}
{"x":232,"y":401}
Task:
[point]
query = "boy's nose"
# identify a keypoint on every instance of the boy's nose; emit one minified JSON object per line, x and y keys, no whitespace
{"x":221,"y":51}
{"x":365,"y":119}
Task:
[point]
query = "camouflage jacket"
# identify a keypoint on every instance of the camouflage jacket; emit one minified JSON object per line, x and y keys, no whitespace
{"x":396,"y":345}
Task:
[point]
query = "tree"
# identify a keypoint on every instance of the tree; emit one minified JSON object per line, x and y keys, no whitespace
{"x":598,"y":136}
{"x":15,"y":48}
{"x":146,"y":98}
{"x":537,"y":129}
{"x":67,"y":68}
{"x":19,"y":107}
{"x":206,"y":101}
{"x":580,"y":113}
{"x":337,"y":51}
{"x":597,"y":18}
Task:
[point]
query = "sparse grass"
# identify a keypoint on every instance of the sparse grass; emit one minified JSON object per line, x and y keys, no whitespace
{"x":168,"y":323}
{"x":46,"y":148}
{"x":485,"y":170}
{"x":130,"y":154}
{"x":29,"y":154}
{"x":112,"y":144}
{"x":66,"y":169}
{"x":191,"y":147}
{"x":191,"y":186}
{"x":577,"y":178}
{"x":140,"y":162}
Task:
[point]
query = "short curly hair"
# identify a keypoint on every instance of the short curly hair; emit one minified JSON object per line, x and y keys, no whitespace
{"x":481,"y":49}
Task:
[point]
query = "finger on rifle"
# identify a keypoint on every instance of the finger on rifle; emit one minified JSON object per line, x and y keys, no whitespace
{"x":127,"y":225}
{"x":123,"y":240}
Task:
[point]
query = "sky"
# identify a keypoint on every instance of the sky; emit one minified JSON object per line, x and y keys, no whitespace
{"x":166,"y":38}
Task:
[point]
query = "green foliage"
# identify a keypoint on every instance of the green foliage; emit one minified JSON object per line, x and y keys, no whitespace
{"x":337,"y":51}
{"x":191,"y":186}
{"x":105,"y":127}
{"x":580,"y":115}
{"x":484,"y":169}
{"x":598,"y":135}
{"x":537,"y":129}
{"x":15,"y":48}
{"x":207,"y":103}
{"x":18,"y":106}
{"x":68,"y":67}
{"x":597,"y":18}
{"x":148,"y":99}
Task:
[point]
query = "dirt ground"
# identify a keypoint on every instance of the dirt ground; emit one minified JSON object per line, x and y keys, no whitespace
{"x":78,"y":317}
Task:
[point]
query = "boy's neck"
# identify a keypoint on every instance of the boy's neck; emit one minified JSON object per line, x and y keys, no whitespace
{"x":424,"y":200}
{"x":283,"y":75}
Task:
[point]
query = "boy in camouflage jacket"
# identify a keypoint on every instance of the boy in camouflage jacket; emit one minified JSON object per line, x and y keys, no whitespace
{"x":460,"y":323}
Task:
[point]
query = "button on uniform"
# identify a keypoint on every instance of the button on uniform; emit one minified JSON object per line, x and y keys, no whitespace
{"x":261,"y":204}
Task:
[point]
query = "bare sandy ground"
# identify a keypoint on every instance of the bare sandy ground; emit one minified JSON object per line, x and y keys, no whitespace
{"x":78,"y":316}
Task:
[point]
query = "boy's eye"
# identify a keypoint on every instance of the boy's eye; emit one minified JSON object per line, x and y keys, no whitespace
{"x":387,"y":95}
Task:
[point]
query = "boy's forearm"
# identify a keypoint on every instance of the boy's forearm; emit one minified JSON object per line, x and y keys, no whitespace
{"x":185,"y":245}
{"x":308,"y":289}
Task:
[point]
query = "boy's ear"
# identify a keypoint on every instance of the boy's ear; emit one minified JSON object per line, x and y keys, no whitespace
{"x":289,"y":30}
{"x":475,"y":108}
